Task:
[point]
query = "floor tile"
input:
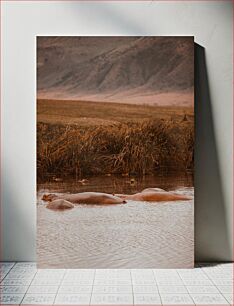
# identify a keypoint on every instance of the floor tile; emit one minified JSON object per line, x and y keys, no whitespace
{"x":19,"y":269}
{"x":19,"y":276}
{"x":43,"y":289}
{"x":70,"y":289}
{"x":74,"y":278}
{"x":145,"y":277}
{"x":225,"y":289}
{"x":72,"y":299}
{"x":4,"y":269}
{"x":46,"y":282}
{"x":11,"y":299}
{"x":26,"y":264}
{"x":50,"y":275}
{"x":13,"y":289}
{"x":77,"y":282}
{"x":191,"y":271}
{"x":145,"y":271}
{"x":145,"y":289}
{"x":112,"y":282}
{"x":16,"y":282}
{"x":196,"y":282}
{"x":76,"y":274}
{"x":3,"y":275}
{"x":141,"y":272}
{"x":81,"y":271}
{"x":209,"y":299}
{"x":112,"y":299}
{"x":142,"y":281}
{"x":147,"y":299}
{"x":38,"y":299}
{"x":209,"y":284}
{"x":167,"y":277}
{"x":113,"y":272}
{"x":202,"y":289}
{"x":51,"y":271}
{"x":164,"y":289}
{"x":169,"y":282}
{"x":104,"y":289}
{"x":117,"y":270}
{"x":229,"y":297}
{"x":195,"y":277}
{"x":112,"y":276}
{"x":9,"y":264}
{"x":220,"y":278}
{"x":176,"y":299}
{"x":165,"y":271}
{"x":222,"y":282}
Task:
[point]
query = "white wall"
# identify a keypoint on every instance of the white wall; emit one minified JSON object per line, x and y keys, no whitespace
{"x":211,"y":24}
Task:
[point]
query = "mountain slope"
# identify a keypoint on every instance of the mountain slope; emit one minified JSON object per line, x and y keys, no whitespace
{"x":120,"y":69}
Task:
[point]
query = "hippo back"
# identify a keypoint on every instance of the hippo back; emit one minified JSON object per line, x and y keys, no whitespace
{"x":153,"y":190}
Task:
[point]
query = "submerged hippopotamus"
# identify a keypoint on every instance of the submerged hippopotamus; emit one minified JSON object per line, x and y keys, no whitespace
{"x":154,"y":195}
{"x":59,"y":204}
{"x":86,"y":198}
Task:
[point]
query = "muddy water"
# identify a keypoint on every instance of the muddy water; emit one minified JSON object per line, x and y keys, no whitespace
{"x":132,"y":235}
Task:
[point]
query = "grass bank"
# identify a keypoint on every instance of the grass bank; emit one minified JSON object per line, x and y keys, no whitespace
{"x":132,"y":148}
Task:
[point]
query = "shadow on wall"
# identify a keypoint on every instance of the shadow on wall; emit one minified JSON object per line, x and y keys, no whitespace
{"x":211,"y":232}
{"x":18,"y":220}
{"x":109,"y":14}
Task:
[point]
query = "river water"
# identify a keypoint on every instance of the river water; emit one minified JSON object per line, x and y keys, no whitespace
{"x":132,"y":235}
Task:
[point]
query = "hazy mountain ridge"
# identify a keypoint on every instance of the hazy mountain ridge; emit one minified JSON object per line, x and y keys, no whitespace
{"x":137,"y":69}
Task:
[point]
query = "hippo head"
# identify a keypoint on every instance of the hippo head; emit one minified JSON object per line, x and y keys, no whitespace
{"x":49,"y":197}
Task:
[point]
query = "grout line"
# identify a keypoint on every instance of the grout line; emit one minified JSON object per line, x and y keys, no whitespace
{"x":222,"y":272}
{"x":92,"y":287}
{"x":28,"y":287}
{"x":5,"y":276}
{"x":65,"y":272}
{"x":215,"y":286}
{"x":186,"y":286}
{"x":8,"y":272}
{"x":133,"y":302}
{"x":155,"y":278}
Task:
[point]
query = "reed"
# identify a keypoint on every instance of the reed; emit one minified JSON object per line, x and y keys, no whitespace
{"x":133,"y":148}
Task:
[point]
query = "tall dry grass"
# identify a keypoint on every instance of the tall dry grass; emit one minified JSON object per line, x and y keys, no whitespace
{"x":133,"y":148}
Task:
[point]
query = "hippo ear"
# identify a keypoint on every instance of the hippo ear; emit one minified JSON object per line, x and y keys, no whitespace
{"x":124,"y":201}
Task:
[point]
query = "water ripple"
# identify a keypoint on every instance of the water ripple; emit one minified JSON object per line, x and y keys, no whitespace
{"x":135,"y":235}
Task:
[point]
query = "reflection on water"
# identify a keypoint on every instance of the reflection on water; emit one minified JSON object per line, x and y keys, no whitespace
{"x":119,"y":184}
{"x":132,"y":235}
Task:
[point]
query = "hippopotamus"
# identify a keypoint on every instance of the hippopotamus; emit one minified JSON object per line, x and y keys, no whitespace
{"x":154,"y":196}
{"x":59,"y":204}
{"x":86,"y":198}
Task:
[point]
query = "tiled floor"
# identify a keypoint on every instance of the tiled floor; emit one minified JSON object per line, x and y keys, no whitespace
{"x":208,"y":284}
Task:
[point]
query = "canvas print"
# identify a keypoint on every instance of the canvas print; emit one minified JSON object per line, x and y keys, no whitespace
{"x":115,"y":152}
